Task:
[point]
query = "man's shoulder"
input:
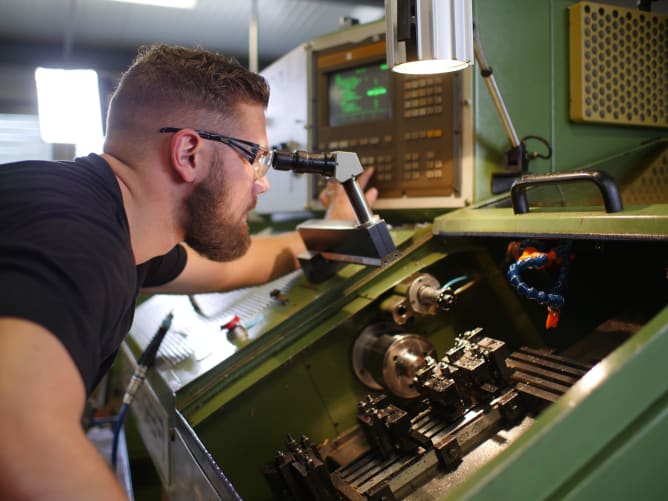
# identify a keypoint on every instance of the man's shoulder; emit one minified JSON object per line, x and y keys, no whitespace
{"x":67,"y":211}
{"x":57,"y":182}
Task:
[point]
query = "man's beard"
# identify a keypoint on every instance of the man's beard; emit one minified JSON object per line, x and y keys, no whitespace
{"x":210,"y":231}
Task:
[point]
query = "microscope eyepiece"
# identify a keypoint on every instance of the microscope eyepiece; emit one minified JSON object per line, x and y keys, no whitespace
{"x":305,"y":162}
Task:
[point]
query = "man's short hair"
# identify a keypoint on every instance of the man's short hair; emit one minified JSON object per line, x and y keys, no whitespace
{"x":171,"y":79}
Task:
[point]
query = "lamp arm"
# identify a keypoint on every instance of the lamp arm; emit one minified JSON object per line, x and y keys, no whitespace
{"x":490,"y":81}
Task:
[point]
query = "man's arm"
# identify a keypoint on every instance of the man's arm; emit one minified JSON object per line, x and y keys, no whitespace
{"x":268,"y":257}
{"x":44,"y":451}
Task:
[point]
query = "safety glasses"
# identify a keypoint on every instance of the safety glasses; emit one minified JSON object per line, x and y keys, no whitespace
{"x":258,"y":157}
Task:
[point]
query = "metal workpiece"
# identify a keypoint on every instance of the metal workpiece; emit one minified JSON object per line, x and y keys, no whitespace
{"x":423,"y":295}
{"x":402,"y":356}
{"x":385,"y":358}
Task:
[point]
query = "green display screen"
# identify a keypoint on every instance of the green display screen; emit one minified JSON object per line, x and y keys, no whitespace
{"x":358,"y":95}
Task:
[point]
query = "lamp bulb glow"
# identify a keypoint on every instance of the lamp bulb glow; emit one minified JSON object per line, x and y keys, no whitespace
{"x":430,"y":66}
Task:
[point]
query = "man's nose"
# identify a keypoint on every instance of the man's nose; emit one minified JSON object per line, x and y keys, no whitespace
{"x":263,"y":183}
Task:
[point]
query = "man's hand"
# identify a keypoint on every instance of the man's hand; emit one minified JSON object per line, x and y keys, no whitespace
{"x":335,"y":200}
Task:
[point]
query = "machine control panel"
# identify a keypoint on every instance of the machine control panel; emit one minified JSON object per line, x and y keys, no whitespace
{"x":408,"y":128}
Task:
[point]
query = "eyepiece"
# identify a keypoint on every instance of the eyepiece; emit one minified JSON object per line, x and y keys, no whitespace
{"x":305,"y":162}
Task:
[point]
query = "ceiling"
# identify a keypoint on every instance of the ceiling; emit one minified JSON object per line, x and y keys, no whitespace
{"x":69,"y":26}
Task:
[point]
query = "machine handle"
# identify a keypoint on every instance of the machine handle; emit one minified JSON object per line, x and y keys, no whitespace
{"x":606,"y":184}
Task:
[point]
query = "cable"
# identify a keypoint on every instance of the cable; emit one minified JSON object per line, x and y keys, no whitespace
{"x":455,"y":280}
{"x":146,"y":361}
{"x":535,"y":154}
{"x":118,"y":426}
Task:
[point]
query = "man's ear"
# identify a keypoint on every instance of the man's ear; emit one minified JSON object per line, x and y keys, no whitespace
{"x":183,"y":149}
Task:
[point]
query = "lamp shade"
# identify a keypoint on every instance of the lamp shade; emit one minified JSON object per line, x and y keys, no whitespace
{"x":429,"y":36}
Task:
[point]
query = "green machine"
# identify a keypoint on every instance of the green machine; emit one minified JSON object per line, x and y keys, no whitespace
{"x":512,"y":348}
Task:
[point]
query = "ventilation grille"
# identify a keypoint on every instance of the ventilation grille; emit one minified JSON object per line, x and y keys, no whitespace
{"x":618,"y":65}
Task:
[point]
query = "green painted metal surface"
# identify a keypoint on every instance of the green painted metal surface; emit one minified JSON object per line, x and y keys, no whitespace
{"x":642,"y":222}
{"x":571,"y":210}
{"x":526,"y":43}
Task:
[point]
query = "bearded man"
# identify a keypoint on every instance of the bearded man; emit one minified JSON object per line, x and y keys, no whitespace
{"x":163,"y":209}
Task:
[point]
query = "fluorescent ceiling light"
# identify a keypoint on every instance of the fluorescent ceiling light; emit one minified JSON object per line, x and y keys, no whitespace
{"x":367,"y":14}
{"x":69,"y":105}
{"x":175,"y":4}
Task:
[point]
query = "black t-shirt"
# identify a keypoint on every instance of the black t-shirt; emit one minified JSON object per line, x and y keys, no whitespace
{"x":66,"y":261}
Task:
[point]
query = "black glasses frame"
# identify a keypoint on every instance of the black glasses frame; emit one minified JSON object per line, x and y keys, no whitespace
{"x":248,"y":149}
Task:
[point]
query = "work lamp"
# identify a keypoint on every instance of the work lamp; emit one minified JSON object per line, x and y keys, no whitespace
{"x":429,"y":36}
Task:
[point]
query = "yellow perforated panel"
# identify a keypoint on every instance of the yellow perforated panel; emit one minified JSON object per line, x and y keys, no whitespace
{"x":618,"y":65}
{"x":651,"y":187}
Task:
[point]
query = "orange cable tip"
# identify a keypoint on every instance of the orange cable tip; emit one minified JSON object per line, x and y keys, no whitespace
{"x":552,"y":319}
